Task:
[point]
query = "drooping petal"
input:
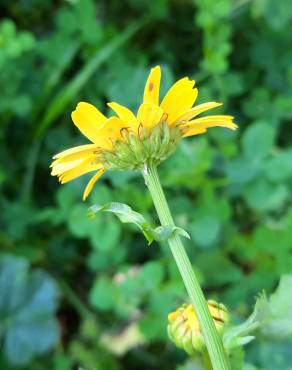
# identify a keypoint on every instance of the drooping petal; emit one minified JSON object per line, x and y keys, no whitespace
{"x":152,"y":87}
{"x":194,"y":131}
{"x":149,"y":115}
{"x":91,"y":183}
{"x":179,"y":99}
{"x":197,"y":110}
{"x":125,"y":114}
{"x":63,"y":166}
{"x":88,"y":119}
{"x":75,"y":153}
{"x":85,"y":166}
{"x":200,"y":125}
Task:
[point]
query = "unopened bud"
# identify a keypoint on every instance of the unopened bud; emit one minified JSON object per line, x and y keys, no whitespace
{"x":184,"y":328}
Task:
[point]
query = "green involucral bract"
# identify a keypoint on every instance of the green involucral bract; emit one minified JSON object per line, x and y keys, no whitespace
{"x":134,"y":151}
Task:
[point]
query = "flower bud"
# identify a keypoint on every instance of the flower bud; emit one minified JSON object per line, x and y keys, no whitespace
{"x":184,"y":328}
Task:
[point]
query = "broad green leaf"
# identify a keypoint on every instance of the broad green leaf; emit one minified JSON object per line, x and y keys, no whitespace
{"x":105,"y":233}
{"x":265,"y":196}
{"x":78,"y":224}
{"x":279,"y":168}
{"x":242,"y":171}
{"x":151,"y":276}
{"x":258,"y":141}
{"x":205,"y":231}
{"x":104,"y":295}
{"x":152,"y":327}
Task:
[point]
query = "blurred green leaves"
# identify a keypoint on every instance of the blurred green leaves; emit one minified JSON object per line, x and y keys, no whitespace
{"x":140,"y":293}
{"x":231,"y":191}
{"x":27,"y":311}
{"x":258,"y":141}
{"x":13,"y":43}
{"x":72,"y":88}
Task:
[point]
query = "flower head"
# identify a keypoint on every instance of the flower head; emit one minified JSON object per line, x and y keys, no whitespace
{"x":129,"y":141}
{"x":184,"y":328}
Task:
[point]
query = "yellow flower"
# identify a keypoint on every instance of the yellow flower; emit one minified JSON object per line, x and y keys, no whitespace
{"x":184,"y":328}
{"x":128,"y":141}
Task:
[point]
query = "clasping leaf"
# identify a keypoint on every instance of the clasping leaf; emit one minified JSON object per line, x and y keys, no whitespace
{"x":127,"y":215}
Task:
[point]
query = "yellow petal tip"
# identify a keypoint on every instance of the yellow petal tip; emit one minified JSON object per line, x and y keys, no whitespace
{"x":156,"y":68}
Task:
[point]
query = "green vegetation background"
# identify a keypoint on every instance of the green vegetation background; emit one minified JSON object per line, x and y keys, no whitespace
{"x":90,"y":291}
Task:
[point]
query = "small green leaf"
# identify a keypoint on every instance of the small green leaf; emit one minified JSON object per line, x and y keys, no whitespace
{"x":104,"y":295}
{"x":122,"y":211}
{"x":127,"y":215}
{"x":239,"y":335}
{"x":162,"y":233}
{"x":272,"y":316}
{"x":274,"y":313}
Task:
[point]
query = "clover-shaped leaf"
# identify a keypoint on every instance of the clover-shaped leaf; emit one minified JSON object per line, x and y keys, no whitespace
{"x":27,"y":311}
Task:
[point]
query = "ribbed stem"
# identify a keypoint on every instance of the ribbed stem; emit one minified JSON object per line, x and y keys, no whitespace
{"x":206,"y":360}
{"x":213,"y":341}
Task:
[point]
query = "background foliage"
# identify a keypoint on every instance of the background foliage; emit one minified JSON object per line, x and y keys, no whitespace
{"x":231,"y":191}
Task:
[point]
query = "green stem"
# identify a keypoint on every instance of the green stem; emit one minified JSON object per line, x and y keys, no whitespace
{"x":206,"y":361}
{"x":213,"y":341}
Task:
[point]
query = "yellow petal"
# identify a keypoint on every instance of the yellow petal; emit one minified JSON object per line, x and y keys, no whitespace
{"x":75,"y":153}
{"x":91,"y":183}
{"x":179,"y":99}
{"x":111,"y":130}
{"x":151,"y":91}
{"x":88,"y":119}
{"x":61,"y":167}
{"x":125,"y":115}
{"x":200,"y":125}
{"x":85,"y":166}
{"x":212,"y":121}
{"x":149,"y":115}
{"x":194,"y":131}
{"x":197,"y":110}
